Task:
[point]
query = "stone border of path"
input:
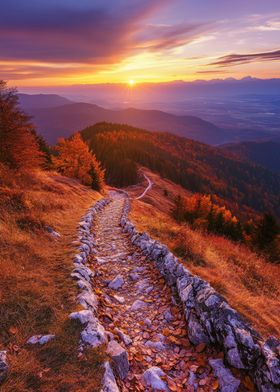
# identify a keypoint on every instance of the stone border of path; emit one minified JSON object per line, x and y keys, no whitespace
{"x":210,"y":318}
{"x":93,"y":333}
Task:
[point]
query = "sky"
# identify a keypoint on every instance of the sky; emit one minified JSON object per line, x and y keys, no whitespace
{"x":68,"y":42}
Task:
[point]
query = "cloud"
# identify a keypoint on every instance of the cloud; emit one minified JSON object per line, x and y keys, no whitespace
{"x":237,"y":59}
{"x":165,"y":37}
{"x":64,"y":31}
{"x":212,"y":71}
{"x":38,"y":38}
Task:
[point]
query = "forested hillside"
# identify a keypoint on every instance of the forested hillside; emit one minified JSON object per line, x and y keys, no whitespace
{"x":264,"y":153}
{"x":196,"y":166}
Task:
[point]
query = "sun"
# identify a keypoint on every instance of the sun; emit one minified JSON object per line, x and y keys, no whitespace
{"x":131,"y":83}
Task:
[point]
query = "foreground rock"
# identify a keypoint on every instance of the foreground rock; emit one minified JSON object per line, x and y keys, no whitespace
{"x":120,"y":359}
{"x":152,"y":379}
{"x":227,"y":382}
{"x":109,"y":381}
{"x":40,"y":339}
{"x":3,"y":366}
{"x":138,"y":304}
{"x":116,"y":283}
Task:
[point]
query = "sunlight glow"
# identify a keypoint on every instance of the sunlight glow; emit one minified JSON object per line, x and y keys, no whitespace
{"x":131,"y":83}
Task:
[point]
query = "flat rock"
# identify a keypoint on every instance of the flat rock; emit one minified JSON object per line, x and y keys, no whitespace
{"x":134,"y":276}
{"x":168,"y":315}
{"x":119,"y":358}
{"x":152,"y":379}
{"x":227,"y":382}
{"x":159,"y":346}
{"x":116,"y":283}
{"x":40,"y":339}
{"x":120,"y":299}
{"x":138,"y":304}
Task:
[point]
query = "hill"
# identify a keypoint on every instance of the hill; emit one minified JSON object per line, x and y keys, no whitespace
{"x":246,"y":280}
{"x":264,"y":153}
{"x":55,"y":121}
{"x":195,"y":166}
{"x":37,"y":291}
{"x":35,"y":101}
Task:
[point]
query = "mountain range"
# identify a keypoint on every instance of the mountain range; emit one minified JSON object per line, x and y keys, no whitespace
{"x":55,"y":116}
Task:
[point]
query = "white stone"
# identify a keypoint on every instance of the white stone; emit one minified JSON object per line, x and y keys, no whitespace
{"x":138,"y":304}
{"x":109,"y":381}
{"x":120,"y":299}
{"x":119,"y":357}
{"x":94,"y":334}
{"x":227,"y":382}
{"x":40,"y":339}
{"x":152,"y":379}
{"x":84,"y":316}
{"x":116,"y":283}
{"x":124,"y":337}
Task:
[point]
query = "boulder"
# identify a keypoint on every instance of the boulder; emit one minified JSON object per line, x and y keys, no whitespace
{"x":109,"y":381}
{"x":88,"y":300}
{"x":227,"y":382}
{"x":119,"y":357}
{"x":84,"y":316}
{"x":116,"y":283}
{"x":152,"y":379}
{"x":94,"y":334}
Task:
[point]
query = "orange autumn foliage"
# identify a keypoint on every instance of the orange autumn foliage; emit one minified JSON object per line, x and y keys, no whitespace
{"x":19,"y":144}
{"x":74,"y":159}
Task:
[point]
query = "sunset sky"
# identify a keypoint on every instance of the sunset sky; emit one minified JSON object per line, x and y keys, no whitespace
{"x":65,"y":42}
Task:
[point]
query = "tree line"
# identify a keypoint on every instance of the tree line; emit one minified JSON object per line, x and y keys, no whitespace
{"x":22,"y":149}
{"x":261,"y":234}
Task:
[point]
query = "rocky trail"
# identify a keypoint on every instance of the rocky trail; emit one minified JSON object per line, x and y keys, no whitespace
{"x":142,"y":315}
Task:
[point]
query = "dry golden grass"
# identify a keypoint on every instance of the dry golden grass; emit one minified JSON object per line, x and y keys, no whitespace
{"x":37,"y":292}
{"x":246,"y":280}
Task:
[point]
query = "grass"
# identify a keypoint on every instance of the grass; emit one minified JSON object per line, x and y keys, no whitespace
{"x":37,"y":292}
{"x":247,"y":280}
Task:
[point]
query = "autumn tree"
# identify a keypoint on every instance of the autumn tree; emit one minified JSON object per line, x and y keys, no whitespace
{"x":74,"y":159}
{"x":19,"y":146}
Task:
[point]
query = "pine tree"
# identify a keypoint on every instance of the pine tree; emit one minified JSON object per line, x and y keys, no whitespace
{"x":19,"y":147}
{"x":97,"y":175}
{"x":179,"y":209}
{"x":267,"y":231}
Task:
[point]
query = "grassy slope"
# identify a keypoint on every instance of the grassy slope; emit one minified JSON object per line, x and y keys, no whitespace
{"x":249,"y":283}
{"x":37,"y":292}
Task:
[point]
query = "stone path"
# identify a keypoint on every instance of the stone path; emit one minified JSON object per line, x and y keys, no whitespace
{"x":140,"y":312}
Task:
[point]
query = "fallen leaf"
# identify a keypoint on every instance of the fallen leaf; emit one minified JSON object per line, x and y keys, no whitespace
{"x":200,"y":347}
{"x":215,"y":385}
{"x":13,"y":330}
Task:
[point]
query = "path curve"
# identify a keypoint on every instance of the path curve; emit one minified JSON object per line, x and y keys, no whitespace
{"x":150,"y":184}
{"x":143,"y":314}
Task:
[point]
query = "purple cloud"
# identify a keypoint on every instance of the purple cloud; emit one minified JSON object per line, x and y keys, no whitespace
{"x":236,"y":59}
{"x":59,"y":31}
